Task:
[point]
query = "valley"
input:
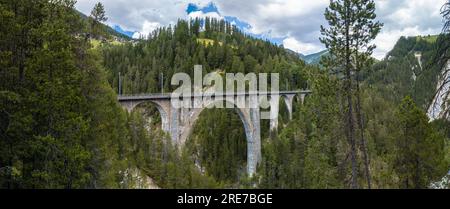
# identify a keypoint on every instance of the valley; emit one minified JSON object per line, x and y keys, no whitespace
{"x":365,"y":123}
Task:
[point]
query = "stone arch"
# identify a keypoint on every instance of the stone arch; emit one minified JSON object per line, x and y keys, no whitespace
{"x":194,"y":115}
{"x":289,"y":102}
{"x":250,"y":119}
{"x":162,"y":106}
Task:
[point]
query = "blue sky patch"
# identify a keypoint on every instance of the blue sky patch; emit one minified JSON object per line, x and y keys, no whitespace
{"x":210,"y":7}
{"x":240,"y":24}
{"x":122,"y":31}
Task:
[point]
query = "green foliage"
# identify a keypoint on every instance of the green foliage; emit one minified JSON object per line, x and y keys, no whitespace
{"x":42,"y":98}
{"x":420,"y":157}
{"x":178,"y":48}
{"x":352,"y":28}
{"x":154,"y":154}
{"x":98,"y":13}
{"x":304,"y":155}
{"x":61,"y":125}
{"x":219,"y":144}
{"x":97,"y":17}
{"x":400,"y":73}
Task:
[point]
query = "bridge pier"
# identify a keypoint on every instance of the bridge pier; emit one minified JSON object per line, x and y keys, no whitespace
{"x":175,"y":125}
{"x":302,"y":98}
{"x":253,"y":133}
{"x":274,"y":111}
{"x":289,"y":100}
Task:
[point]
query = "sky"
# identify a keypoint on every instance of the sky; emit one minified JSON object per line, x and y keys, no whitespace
{"x":293,"y":23}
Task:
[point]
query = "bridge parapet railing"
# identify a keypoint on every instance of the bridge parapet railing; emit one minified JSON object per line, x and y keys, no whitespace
{"x":171,"y":95}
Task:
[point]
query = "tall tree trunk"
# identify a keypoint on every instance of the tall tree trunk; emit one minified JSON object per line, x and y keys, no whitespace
{"x":10,"y":162}
{"x":363,"y":146}
{"x":351,"y":135}
{"x":348,"y":90}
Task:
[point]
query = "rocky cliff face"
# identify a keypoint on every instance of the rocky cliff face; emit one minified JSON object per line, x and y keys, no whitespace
{"x":136,"y":179}
{"x":440,"y":104}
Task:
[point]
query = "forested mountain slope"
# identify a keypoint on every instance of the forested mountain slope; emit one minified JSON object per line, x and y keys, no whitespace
{"x":178,"y":48}
{"x":314,"y":59}
{"x":408,"y":69}
{"x":62,"y":127}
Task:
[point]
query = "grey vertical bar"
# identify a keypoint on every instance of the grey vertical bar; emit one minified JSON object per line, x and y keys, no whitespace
{"x":120,"y":84}
{"x":161,"y":78}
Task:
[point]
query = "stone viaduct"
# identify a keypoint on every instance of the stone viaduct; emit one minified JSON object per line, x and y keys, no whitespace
{"x":179,"y":122}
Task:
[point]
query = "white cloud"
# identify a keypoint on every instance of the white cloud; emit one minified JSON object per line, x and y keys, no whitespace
{"x":410,"y":13}
{"x":296,"y":18}
{"x":388,"y":38}
{"x":147,"y":28}
{"x":200,"y":14}
{"x":406,"y":18}
{"x":298,"y":46}
{"x":290,"y":8}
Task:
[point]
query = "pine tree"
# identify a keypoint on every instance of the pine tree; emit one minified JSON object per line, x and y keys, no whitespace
{"x":352,"y":28}
{"x":445,"y":12}
{"x":98,"y":16}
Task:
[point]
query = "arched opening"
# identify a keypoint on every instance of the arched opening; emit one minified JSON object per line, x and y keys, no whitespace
{"x":150,"y":146}
{"x":283,"y":113}
{"x":266,"y":132}
{"x":297,"y":104}
{"x":151,"y":114}
{"x":218,"y":144}
{"x":156,"y":117}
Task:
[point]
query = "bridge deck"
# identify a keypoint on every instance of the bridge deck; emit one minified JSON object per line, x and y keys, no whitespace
{"x":169,"y":95}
